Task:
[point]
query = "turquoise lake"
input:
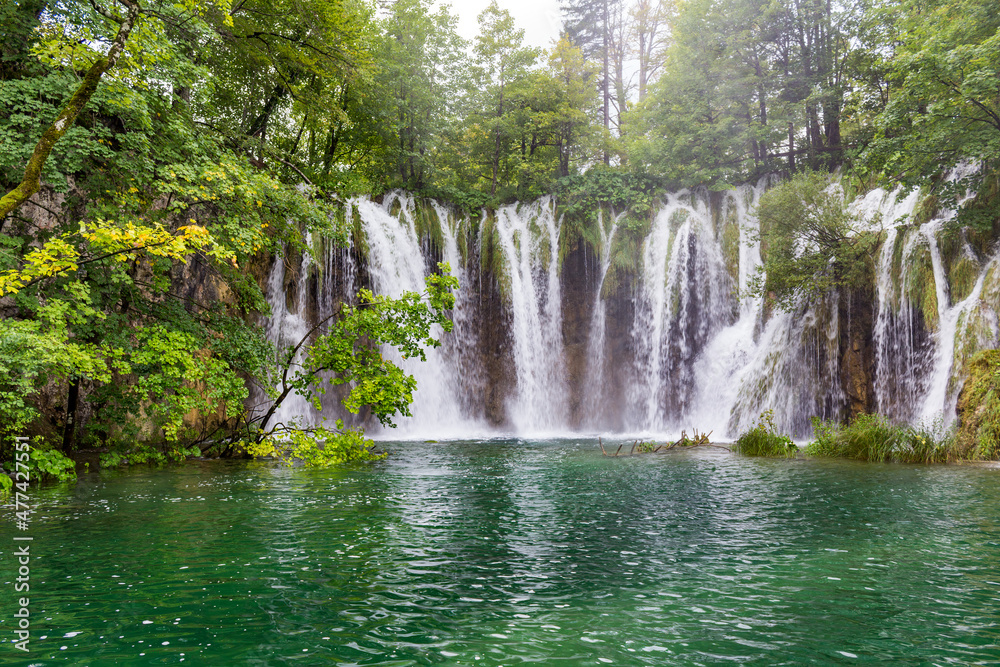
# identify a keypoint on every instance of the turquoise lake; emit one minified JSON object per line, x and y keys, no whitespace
{"x":508,"y":552}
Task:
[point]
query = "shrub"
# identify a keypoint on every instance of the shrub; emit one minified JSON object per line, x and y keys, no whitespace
{"x":318,"y":447}
{"x":764,"y":440}
{"x":137,"y":454}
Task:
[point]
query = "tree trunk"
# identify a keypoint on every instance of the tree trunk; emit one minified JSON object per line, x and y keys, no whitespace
{"x":791,"y":148}
{"x":607,"y":92}
{"x":72,"y":402}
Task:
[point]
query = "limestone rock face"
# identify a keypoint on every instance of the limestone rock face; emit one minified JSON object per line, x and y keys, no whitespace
{"x":858,"y":354}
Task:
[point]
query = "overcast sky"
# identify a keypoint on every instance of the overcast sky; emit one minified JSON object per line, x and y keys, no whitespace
{"x":538,"y":18}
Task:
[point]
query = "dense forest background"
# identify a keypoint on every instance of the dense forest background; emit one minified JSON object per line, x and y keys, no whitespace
{"x":146,"y":144}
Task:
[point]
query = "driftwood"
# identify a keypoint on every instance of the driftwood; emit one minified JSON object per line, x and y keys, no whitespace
{"x":643,"y":447}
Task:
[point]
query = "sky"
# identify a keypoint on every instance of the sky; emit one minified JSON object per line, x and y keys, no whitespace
{"x":539,"y":18}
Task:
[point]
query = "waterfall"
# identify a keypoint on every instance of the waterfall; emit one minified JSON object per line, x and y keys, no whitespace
{"x":459,"y":351}
{"x":286,"y":327}
{"x":726,"y":358}
{"x":916,"y":354}
{"x":396,"y":263}
{"x":528,"y":236}
{"x":678,"y":344}
{"x":686,"y":296}
{"x":595,"y":387}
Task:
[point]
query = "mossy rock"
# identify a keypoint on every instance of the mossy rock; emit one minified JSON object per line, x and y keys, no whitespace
{"x":426,"y":223}
{"x":926,"y":210}
{"x":978,"y":434}
{"x":625,"y":262}
{"x":920,"y":287}
{"x":731,"y":249}
{"x":962,"y":278}
{"x":895,"y":267}
{"x":491,"y":260}
{"x":990,"y":293}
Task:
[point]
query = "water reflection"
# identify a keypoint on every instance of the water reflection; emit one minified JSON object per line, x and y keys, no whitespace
{"x":502,"y":552}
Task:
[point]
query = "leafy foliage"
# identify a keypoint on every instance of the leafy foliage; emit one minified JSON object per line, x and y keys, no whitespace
{"x":349,"y":352}
{"x":138,"y":454}
{"x":808,"y":243}
{"x":319,"y":447}
{"x":45,"y":463}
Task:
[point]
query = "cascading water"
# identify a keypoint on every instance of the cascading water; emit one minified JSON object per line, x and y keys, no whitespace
{"x":685,"y":297}
{"x":917,"y":361}
{"x":396,"y":264}
{"x":528,"y":237}
{"x":684,"y":343}
{"x":286,"y":328}
{"x":595,"y":387}
{"x":460,"y":347}
{"x":902,"y":346}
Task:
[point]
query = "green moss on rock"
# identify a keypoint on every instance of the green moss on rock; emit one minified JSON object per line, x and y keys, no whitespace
{"x":920,"y":288}
{"x":731,"y":249}
{"x":962,"y":278}
{"x":978,"y":434}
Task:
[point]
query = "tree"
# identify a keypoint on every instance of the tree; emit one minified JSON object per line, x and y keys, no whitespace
{"x":500,"y":71}
{"x":650,"y":29}
{"x":944,"y":96}
{"x":808,"y":244}
{"x":417,"y":88}
{"x":571,"y":116}
{"x":31,"y":180}
{"x":592,"y":26}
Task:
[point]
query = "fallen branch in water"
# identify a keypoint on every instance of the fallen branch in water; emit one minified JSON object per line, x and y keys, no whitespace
{"x":643,"y":447}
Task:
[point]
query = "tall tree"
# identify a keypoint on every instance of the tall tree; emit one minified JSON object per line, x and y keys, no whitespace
{"x":588,"y":24}
{"x":501,"y":67}
{"x":944,"y":97}
{"x":417,"y":85}
{"x":651,"y":34}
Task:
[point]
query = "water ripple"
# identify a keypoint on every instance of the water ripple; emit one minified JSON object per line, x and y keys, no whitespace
{"x":507,"y":552}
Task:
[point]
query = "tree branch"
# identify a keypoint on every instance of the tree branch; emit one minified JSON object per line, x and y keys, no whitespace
{"x":30,"y":182}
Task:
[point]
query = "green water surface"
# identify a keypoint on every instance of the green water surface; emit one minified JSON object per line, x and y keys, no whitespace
{"x":512,"y":552}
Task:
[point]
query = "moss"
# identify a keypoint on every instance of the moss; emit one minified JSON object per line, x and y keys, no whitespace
{"x":973,"y":333}
{"x":465,"y":230}
{"x":920,"y":288}
{"x":491,"y":261}
{"x":978,"y":434}
{"x":991,"y":286}
{"x":962,"y":278}
{"x":896,"y":268}
{"x":396,"y":207}
{"x":578,"y":227}
{"x":626,"y":252}
{"x":984,"y":211}
{"x":357,"y":231}
{"x":926,"y":210}
{"x":426,"y":223}
{"x":731,"y":249}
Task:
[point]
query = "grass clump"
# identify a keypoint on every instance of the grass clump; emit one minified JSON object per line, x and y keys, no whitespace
{"x":764,"y":440}
{"x":875,"y":438}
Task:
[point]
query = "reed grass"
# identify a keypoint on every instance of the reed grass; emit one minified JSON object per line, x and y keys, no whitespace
{"x":875,"y":438}
{"x":764,"y":440}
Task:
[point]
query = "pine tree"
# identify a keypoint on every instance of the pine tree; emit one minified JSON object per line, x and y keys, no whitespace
{"x":587,"y":25}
